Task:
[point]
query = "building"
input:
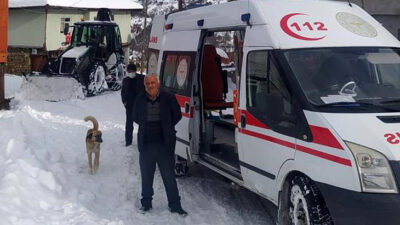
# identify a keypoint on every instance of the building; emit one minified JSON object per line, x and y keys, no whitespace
{"x":36,"y":27}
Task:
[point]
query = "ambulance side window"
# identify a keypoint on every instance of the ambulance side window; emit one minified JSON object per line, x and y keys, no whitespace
{"x":268,"y":98}
{"x":177,"y":71}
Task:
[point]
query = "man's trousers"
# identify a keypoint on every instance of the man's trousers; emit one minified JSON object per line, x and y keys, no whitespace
{"x":150,"y":155}
{"x":129,"y":125}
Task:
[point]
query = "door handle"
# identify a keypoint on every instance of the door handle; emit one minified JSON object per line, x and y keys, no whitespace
{"x":187,"y":107}
{"x":243,"y":121}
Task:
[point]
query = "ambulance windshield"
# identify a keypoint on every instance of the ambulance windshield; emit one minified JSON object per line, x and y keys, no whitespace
{"x":330,"y":76}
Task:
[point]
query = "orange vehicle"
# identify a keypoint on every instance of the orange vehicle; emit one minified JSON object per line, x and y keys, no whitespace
{"x":3,"y":30}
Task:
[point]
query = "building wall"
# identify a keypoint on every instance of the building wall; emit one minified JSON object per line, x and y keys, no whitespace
{"x":19,"y":61}
{"x":26,"y":27}
{"x":54,"y":33}
{"x":390,"y":22}
{"x":123,"y":19}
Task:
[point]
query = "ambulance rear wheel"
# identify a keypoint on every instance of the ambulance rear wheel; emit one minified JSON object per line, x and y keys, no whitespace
{"x":305,"y":204}
{"x":181,"y":166}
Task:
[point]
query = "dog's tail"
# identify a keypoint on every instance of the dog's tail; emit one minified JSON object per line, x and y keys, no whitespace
{"x":94,"y":121}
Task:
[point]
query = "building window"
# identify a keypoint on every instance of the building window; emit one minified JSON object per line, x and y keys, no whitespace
{"x":64,"y":21}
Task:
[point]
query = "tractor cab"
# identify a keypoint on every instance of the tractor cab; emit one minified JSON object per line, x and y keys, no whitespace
{"x":105,"y":37}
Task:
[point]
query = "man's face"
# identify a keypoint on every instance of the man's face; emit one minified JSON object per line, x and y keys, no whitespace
{"x":152,"y":85}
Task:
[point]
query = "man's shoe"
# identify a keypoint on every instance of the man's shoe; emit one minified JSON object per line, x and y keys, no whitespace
{"x":144,"y":209}
{"x":128,"y":143}
{"x":180,"y":211}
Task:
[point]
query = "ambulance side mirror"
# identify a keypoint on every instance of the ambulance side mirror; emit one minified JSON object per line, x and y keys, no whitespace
{"x":274,"y":107}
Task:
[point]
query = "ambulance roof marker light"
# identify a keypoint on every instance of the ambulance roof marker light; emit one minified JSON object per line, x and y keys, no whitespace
{"x":200,"y":23}
{"x":246,"y":18}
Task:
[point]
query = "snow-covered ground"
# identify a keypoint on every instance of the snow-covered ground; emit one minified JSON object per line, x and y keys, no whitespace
{"x":44,"y":178}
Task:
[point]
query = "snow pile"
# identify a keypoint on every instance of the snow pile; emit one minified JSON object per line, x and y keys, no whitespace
{"x":50,"y":88}
{"x":44,"y":179}
{"x":12,"y":85}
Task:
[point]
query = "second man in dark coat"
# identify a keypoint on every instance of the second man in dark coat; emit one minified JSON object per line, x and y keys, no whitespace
{"x":132,"y":85}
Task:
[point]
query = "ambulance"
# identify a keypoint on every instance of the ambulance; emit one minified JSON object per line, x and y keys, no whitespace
{"x":295,"y":100}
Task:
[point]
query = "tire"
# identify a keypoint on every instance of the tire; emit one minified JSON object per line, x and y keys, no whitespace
{"x":181,"y":166}
{"x":120,"y":74}
{"x":96,"y":82}
{"x":302,"y":203}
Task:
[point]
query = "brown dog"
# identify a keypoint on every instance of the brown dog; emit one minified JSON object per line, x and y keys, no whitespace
{"x":93,"y":140}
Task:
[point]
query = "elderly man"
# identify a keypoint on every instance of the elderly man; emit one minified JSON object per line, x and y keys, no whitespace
{"x":157,"y":112}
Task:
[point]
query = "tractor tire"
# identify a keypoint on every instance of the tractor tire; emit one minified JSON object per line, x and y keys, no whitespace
{"x":96,"y":80}
{"x":120,"y":74}
{"x":303,"y":204}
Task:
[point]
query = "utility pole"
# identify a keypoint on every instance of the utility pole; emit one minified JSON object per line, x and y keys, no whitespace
{"x":3,"y":49}
{"x":180,"y":4}
{"x":144,"y":37}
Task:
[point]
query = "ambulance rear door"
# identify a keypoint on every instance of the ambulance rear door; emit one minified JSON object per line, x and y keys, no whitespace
{"x":179,"y":55}
{"x":156,"y":36}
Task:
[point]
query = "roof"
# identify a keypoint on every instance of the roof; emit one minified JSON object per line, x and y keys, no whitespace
{"x":289,"y":24}
{"x":87,"y":4}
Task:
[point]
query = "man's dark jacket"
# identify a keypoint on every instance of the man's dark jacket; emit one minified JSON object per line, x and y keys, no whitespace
{"x":131,"y":87}
{"x":170,"y":114}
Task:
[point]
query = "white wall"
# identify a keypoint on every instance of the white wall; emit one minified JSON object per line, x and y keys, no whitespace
{"x":26,"y":27}
{"x":54,"y":36}
{"x":123,"y":19}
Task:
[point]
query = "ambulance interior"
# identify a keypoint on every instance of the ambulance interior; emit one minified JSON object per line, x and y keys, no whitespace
{"x":219,"y":78}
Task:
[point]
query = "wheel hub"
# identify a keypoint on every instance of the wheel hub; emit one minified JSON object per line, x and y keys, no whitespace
{"x":99,"y":77}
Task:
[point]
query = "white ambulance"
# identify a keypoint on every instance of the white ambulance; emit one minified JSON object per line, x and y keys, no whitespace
{"x":296,"y":100}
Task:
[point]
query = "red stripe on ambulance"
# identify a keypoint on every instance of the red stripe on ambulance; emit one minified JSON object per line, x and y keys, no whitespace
{"x":181,"y":101}
{"x":251,"y":120}
{"x":323,"y":136}
{"x":300,"y":148}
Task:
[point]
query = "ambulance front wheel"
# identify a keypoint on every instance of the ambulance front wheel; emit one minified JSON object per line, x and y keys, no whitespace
{"x":181,"y":166}
{"x":301,"y":203}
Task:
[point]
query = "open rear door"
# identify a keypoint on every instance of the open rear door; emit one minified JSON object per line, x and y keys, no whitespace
{"x":156,"y":35}
{"x":177,"y":72}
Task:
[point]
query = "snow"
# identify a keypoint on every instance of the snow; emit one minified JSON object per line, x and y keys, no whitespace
{"x":44,"y":178}
{"x":50,"y":88}
{"x":94,"y":4}
{"x":222,"y":53}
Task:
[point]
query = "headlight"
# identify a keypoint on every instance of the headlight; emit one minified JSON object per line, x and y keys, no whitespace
{"x":375,"y":172}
